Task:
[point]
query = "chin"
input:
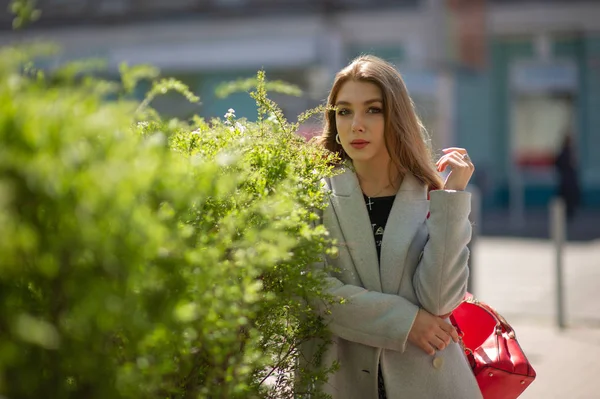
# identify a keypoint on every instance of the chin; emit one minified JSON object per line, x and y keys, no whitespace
{"x":360,"y":157}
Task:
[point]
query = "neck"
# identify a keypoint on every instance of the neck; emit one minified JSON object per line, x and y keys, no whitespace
{"x":375,"y":180}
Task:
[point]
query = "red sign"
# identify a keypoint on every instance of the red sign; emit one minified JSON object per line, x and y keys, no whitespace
{"x":468,"y":21}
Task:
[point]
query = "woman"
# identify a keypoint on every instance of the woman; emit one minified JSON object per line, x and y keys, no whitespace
{"x":401,"y":264}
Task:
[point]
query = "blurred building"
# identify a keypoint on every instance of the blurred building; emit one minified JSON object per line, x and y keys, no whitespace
{"x":505,"y":78}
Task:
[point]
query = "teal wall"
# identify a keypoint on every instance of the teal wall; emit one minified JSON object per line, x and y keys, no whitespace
{"x":391,"y":53}
{"x":590,"y":123}
{"x":474,"y":128}
{"x":242,"y":103}
{"x":204,"y":85}
{"x":586,"y":50}
{"x":503,"y":53}
{"x":483,"y":118}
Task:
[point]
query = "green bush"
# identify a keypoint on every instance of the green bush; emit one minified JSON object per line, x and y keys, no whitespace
{"x":142,"y":258}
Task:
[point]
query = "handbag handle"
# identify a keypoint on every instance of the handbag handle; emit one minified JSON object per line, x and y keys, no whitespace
{"x":468,"y":351}
{"x":501,"y":323}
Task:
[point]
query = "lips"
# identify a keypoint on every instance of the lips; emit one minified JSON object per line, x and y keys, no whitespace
{"x":359,"y":143}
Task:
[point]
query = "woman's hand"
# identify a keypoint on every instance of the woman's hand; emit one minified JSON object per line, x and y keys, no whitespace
{"x":461,"y":168}
{"x":431,"y":333}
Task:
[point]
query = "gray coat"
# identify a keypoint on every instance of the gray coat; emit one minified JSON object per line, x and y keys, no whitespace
{"x":423,"y":264}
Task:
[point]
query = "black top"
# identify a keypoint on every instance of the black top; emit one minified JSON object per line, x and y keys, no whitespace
{"x":379,"y":209}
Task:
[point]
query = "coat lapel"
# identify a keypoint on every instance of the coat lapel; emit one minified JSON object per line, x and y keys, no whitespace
{"x":353,"y":218}
{"x":407,"y":214}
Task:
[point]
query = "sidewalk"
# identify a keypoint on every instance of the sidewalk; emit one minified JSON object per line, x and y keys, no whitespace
{"x":567,"y":363}
{"x":517,"y":277}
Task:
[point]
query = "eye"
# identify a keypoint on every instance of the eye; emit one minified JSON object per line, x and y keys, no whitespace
{"x":374,"y":110}
{"x":343,"y":111}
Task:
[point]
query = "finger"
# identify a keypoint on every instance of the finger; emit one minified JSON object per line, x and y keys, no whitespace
{"x":469,"y":162}
{"x":452,"y":162}
{"x":446,"y":155}
{"x":463,"y":158}
{"x":454,"y":154}
{"x":456,"y":162}
{"x":440,"y":161}
{"x":444,"y":160}
{"x":446,"y":327}
{"x":445,"y":339}
{"x":442,"y":166}
{"x":458,"y":156}
{"x":428,"y":348}
{"x":461,"y":154}
{"x":449,"y":330}
{"x":459,"y":149}
{"x":454,"y":335}
{"x":437,"y":343}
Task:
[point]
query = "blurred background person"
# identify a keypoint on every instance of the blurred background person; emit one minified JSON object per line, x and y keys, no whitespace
{"x":568,"y":178}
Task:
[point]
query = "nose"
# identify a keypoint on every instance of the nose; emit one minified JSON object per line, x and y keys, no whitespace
{"x":357,"y":124}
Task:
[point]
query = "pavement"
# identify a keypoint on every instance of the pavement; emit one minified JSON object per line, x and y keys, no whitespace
{"x":517,"y":276}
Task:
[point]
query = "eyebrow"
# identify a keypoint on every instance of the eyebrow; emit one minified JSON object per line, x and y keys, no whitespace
{"x":374,"y":100}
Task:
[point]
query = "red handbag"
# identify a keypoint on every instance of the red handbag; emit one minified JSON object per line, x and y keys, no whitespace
{"x":498,"y":362}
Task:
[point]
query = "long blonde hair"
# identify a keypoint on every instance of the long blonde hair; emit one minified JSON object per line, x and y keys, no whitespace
{"x":406,"y":139}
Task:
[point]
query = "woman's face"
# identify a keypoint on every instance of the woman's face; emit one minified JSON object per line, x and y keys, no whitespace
{"x":360,"y":121}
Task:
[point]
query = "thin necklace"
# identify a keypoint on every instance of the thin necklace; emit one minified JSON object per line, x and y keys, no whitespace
{"x":370,"y":203}
{"x":379,"y":192}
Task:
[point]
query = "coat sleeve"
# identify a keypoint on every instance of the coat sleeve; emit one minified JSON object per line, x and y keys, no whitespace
{"x":440,"y":279}
{"x":367,"y":317}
